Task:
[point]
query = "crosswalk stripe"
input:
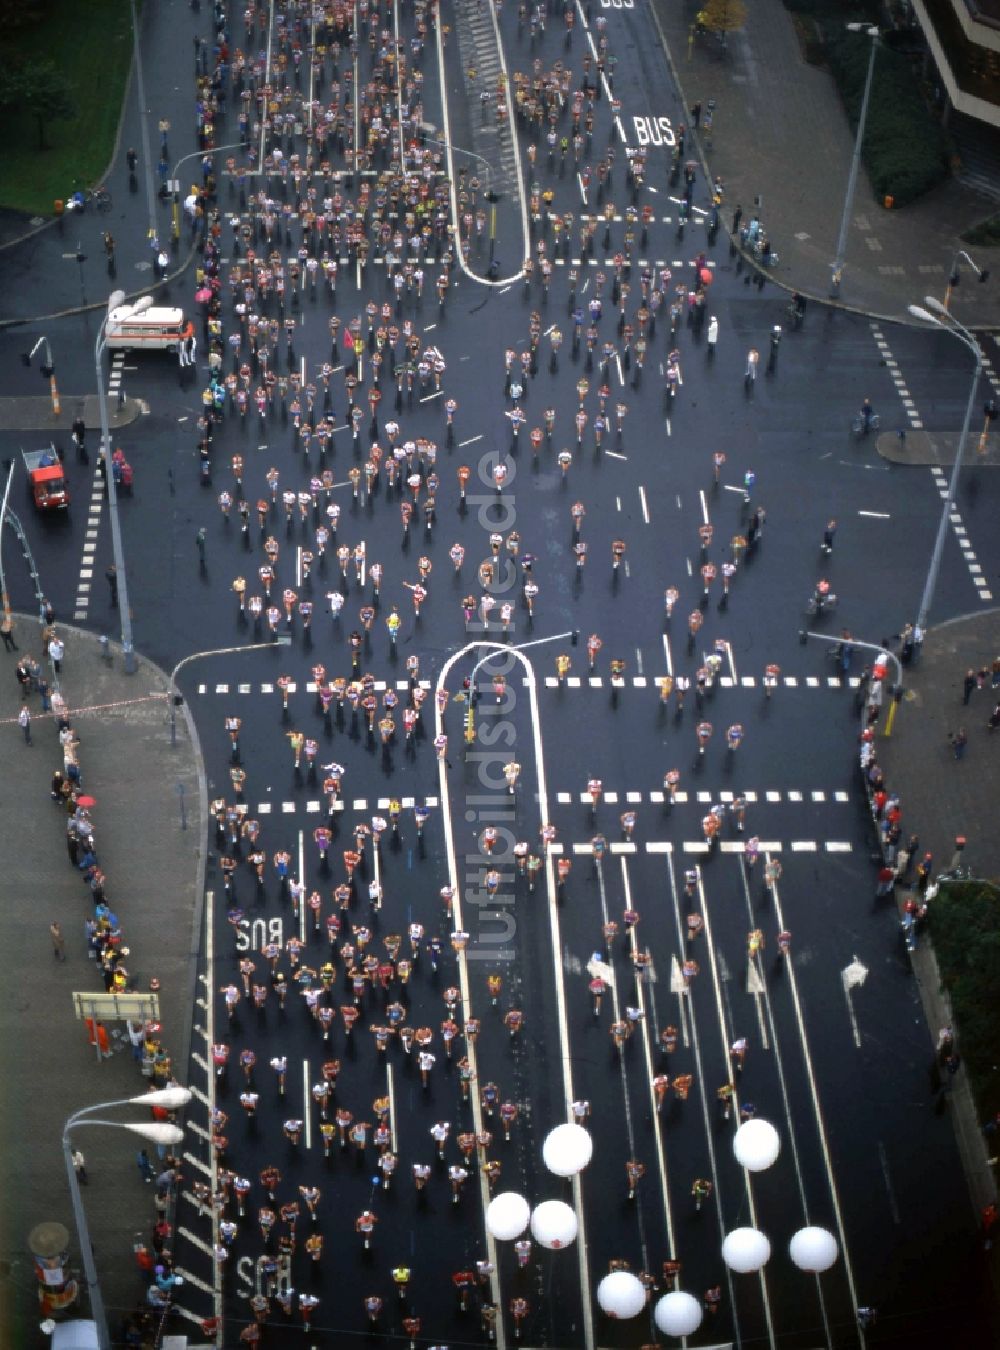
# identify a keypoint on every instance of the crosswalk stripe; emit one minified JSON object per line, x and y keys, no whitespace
{"x":313,"y":805}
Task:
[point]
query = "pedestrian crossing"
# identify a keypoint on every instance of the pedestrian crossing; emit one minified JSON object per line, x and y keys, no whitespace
{"x":480,"y":51}
{"x":309,"y":687}
{"x":703,"y":848}
{"x":584,"y":848}
{"x":429,"y":260}
{"x":95,"y":507}
{"x":937,"y":473}
{"x":723,"y":681}
{"x":769,"y":797}
{"x":314,"y":807}
{"x":552,"y":682}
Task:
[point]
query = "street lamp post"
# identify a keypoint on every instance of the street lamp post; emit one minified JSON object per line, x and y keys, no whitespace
{"x":954,"y":275}
{"x":470,"y":717}
{"x":128,"y":647}
{"x":282,"y":640}
{"x":175,"y":193}
{"x":156,"y":1132}
{"x":490,"y":196}
{"x":883,"y":652}
{"x":4,"y":596}
{"x":837,"y":266}
{"x":959,"y":331}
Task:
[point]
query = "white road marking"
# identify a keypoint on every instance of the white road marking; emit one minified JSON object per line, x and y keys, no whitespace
{"x":700,"y":1077}
{"x":306,"y":1098}
{"x":643,"y":503}
{"x":629,"y":1127}
{"x":661,"y":1161}
{"x":726,"y":1032}
{"x":817,"y":1110}
{"x":210,"y":1034}
{"x":391,"y":1093}
{"x":302,"y":879}
{"x":195,"y":1241}
{"x":564,"y":1051}
{"x":876,"y":515}
{"x":756,"y":963}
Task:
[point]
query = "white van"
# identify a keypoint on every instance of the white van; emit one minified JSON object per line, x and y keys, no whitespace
{"x":153,"y":328}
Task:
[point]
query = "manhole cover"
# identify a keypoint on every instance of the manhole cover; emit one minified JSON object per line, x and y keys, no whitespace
{"x":143,"y":266}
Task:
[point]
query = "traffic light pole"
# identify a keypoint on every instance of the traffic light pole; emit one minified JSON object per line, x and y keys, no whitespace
{"x":48,"y":371}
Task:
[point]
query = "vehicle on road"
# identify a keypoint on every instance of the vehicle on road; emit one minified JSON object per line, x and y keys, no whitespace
{"x":46,"y":480}
{"x":158,"y":328}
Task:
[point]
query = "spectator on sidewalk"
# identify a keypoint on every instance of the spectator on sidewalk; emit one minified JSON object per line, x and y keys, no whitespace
{"x":959,"y":739}
{"x":58,"y":941}
{"x":24,"y":722}
{"x":968,"y":684}
{"x":79,"y":1166}
{"x":137,"y":1037}
{"x":7,"y":633}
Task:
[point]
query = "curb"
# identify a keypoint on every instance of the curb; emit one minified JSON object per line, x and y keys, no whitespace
{"x":828,"y":301}
{"x":981,"y":1182}
{"x":7,"y":324}
{"x":116,"y":146}
{"x":198,"y":916}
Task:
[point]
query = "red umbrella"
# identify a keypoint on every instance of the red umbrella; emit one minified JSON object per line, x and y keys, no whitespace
{"x":706,"y":276}
{"x":86,"y":801}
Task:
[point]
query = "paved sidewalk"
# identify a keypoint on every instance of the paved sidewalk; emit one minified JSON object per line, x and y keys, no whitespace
{"x":942,"y":796}
{"x":781,"y":133}
{"x":35,"y":414}
{"x":154,"y":870}
{"x":939,"y":447}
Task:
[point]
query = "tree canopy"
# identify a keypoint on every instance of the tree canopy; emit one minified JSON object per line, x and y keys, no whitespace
{"x":38,"y":88}
{"x":723,"y":16}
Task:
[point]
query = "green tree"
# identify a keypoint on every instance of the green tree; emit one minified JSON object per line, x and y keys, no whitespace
{"x":723,"y":16}
{"x":16,"y":14}
{"x":44,"y":93}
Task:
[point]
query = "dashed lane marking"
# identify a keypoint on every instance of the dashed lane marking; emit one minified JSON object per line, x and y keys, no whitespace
{"x":584,"y":849}
{"x":313,"y":806}
{"x":81,"y":604}
{"x":937,"y":473}
{"x":771,"y":797}
{"x":571,"y":682}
